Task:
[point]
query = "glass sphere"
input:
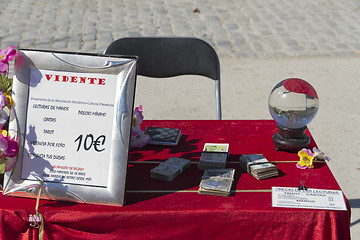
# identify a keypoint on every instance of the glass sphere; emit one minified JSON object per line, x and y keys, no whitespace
{"x":293,"y":103}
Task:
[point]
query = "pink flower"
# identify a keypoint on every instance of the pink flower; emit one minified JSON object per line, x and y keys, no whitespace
{"x":138,"y":116}
{"x":9,"y":148}
{"x":13,"y":147}
{"x":9,"y":163}
{"x":140,"y":140}
{"x":136,"y":121}
{"x":3,"y":118}
{"x":306,"y":159}
{"x":6,"y":56}
{"x":135,"y":130}
{"x":3,"y":144}
{"x":3,"y":100}
{"x":320,"y":155}
{"x":138,"y":137}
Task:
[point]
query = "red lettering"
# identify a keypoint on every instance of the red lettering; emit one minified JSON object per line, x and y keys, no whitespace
{"x":82,"y":79}
{"x":101,"y":81}
{"x":76,"y":79}
{"x":92,"y":80}
{"x":48,"y":76}
{"x":73,"y":79}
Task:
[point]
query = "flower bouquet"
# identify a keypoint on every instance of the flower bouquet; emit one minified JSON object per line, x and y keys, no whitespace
{"x":8,"y":145}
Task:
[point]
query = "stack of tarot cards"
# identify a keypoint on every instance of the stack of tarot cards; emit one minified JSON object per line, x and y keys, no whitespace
{"x":163,"y":136}
{"x":170,"y":169}
{"x":217,"y":182}
{"x":258,"y":166}
{"x":214,"y":155}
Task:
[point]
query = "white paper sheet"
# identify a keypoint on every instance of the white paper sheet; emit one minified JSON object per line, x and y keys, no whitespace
{"x":312,"y":198}
{"x":58,"y":102}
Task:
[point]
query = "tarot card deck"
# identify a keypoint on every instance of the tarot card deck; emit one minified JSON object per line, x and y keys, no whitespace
{"x":217,"y":182}
{"x":258,"y":166}
{"x":170,"y":169}
{"x":214,"y":155}
{"x":163,"y":136}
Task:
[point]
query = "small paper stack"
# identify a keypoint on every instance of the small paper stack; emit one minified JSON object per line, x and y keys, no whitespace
{"x":217,"y":182}
{"x":170,"y":169}
{"x":214,"y":155}
{"x":258,"y":166}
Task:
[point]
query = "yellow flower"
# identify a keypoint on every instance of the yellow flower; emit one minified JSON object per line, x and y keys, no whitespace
{"x":9,"y":99}
{"x":306,"y":159}
{"x":3,"y":132}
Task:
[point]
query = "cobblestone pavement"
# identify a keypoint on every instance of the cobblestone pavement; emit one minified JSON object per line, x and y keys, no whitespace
{"x":236,"y":28}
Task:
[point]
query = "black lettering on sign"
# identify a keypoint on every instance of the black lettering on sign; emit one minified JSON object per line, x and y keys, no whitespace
{"x":90,"y":142}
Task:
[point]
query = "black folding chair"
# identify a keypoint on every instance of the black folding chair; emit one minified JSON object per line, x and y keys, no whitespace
{"x":161,"y":57}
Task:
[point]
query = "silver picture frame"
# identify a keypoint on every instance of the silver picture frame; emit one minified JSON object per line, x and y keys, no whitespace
{"x":112,"y":191}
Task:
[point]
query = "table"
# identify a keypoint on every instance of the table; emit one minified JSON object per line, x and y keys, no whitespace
{"x":174,"y":210}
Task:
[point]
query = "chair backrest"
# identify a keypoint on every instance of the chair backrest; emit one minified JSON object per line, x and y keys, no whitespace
{"x":162,"y":57}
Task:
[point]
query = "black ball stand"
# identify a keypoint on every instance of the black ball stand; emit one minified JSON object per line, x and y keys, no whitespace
{"x":290,"y":140}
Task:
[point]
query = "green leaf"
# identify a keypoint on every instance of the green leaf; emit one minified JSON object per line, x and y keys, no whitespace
{"x":2,"y":165}
{"x":5,"y":83}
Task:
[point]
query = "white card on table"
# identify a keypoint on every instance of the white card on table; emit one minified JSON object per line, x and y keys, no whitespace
{"x":312,"y":198}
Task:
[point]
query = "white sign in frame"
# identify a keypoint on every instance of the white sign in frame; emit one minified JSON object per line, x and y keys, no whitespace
{"x":72,"y":117}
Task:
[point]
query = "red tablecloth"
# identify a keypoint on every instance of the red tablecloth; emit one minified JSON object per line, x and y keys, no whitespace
{"x":158,"y":210}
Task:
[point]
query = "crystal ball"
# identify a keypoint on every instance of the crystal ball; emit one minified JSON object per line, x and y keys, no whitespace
{"x":293,"y":103}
